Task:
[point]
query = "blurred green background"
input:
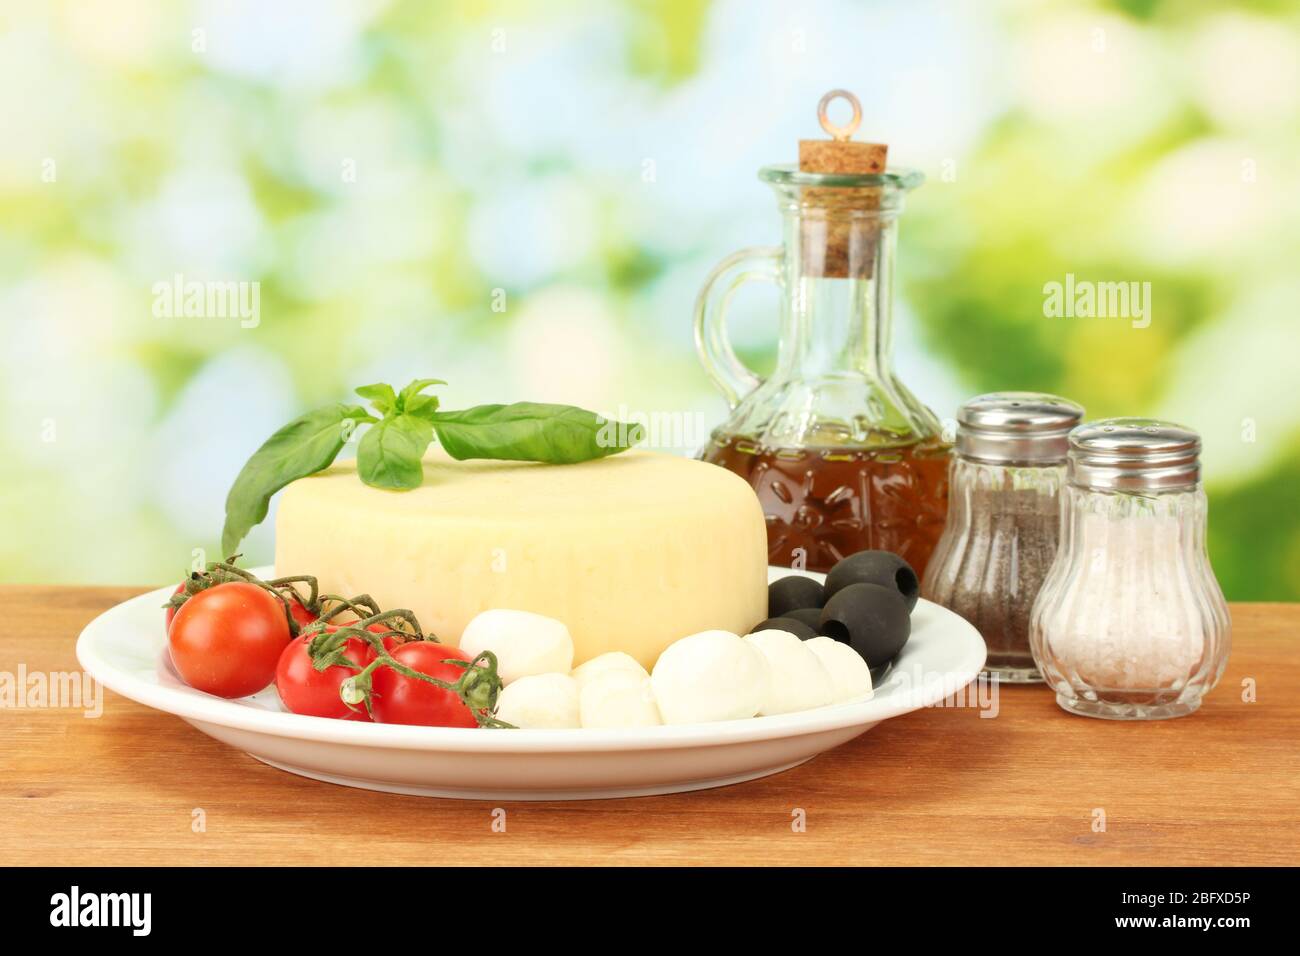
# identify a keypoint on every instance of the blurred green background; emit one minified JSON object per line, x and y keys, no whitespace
{"x":391,"y":171}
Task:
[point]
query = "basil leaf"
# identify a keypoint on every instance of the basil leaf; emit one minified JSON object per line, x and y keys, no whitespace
{"x":381,"y":396}
{"x":533,"y":431}
{"x":391,"y":453}
{"x":411,"y":397}
{"x":422,"y":406}
{"x":303,"y":447}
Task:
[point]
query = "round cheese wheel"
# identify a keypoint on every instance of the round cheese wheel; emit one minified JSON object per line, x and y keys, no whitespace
{"x":631,"y":552}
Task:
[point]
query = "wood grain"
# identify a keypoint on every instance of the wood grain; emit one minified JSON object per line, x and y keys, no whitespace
{"x":942,"y":786}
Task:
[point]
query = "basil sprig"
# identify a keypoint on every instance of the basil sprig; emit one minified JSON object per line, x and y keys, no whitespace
{"x":303,"y":447}
{"x":531,"y":431}
{"x":391,"y":452}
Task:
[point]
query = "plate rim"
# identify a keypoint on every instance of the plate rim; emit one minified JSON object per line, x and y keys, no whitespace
{"x":192,"y":705}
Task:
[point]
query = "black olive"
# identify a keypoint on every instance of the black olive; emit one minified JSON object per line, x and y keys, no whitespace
{"x":875,"y":567}
{"x":812,"y":616}
{"x":871,"y":619}
{"x":793,"y":592}
{"x":798,"y":628}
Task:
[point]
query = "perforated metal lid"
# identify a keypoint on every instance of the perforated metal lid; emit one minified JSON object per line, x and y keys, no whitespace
{"x":1028,"y":428}
{"x":1134,"y":454}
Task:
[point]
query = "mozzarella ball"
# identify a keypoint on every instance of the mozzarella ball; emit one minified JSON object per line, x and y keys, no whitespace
{"x":799,"y":680}
{"x":713,"y":675}
{"x":524,"y":643}
{"x":848,"y":670}
{"x":618,"y":698}
{"x":540,"y":701}
{"x":606,"y":663}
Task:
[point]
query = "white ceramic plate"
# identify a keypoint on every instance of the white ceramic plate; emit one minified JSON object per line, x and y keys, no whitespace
{"x":125,"y":649}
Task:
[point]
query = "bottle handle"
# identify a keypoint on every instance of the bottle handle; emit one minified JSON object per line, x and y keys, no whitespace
{"x":731,"y":376}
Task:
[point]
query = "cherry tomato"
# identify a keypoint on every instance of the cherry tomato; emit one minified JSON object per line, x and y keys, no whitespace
{"x":171,"y":608}
{"x":390,"y":642}
{"x":227,"y":639}
{"x":377,"y":628}
{"x":398,"y":699}
{"x":305,"y":690}
{"x":300,"y":612}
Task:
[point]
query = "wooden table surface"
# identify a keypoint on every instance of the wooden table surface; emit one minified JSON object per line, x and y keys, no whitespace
{"x":942,"y":786}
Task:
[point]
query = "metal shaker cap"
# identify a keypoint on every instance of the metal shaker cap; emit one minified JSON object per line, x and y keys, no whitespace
{"x":1024,"y":428}
{"x":1134,"y":454}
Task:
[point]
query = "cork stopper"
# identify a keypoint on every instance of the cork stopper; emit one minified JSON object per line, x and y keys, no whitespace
{"x":836,"y":245}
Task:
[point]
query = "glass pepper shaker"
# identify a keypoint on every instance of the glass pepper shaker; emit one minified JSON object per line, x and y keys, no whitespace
{"x":1004,"y":488}
{"x":1131,"y":623}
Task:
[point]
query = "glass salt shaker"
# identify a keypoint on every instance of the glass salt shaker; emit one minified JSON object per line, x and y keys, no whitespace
{"x":1130,"y":623}
{"x":1004,"y":488}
